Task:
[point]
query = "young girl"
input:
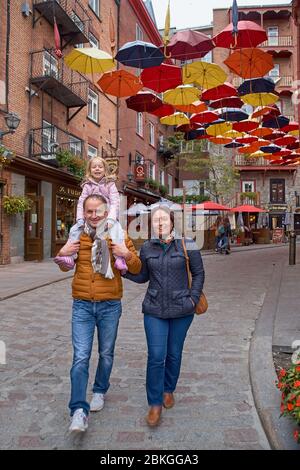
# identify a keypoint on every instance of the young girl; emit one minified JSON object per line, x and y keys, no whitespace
{"x":97,"y":181}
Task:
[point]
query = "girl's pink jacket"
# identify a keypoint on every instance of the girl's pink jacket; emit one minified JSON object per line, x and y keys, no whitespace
{"x":107,"y":189}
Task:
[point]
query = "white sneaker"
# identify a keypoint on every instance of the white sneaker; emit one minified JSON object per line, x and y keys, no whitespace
{"x":97,"y":402}
{"x":79,"y":421}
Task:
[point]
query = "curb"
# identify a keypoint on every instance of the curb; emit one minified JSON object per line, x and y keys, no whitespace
{"x":267,"y":397}
{"x":33,"y":287}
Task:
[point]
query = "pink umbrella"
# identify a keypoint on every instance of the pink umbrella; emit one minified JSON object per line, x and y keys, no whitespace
{"x":189,"y":44}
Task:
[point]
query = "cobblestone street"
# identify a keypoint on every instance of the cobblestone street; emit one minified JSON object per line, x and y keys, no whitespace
{"x":214,"y":403}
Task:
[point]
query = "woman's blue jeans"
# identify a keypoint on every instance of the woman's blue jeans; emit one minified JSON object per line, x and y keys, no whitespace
{"x":165,"y":340}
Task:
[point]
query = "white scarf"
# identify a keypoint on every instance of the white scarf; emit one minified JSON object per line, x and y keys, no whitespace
{"x":100,"y":254}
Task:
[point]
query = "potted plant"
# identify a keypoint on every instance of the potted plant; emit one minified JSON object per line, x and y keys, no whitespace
{"x":77,"y":166}
{"x":248,"y":195}
{"x":163,"y":189}
{"x":16,"y":204}
{"x":6,"y":156}
{"x":64,"y":158}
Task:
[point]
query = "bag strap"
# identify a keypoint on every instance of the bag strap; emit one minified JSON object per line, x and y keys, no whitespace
{"x":187,"y":264}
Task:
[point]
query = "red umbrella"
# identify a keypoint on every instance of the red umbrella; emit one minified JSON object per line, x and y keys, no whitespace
{"x":282,"y":153}
{"x":245,"y":126}
{"x":292,"y":126}
{"x":161,"y":78}
{"x":189,"y":44}
{"x":204,"y":118}
{"x":221,"y":91}
{"x":144,"y":101}
{"x":247,"y":208}
{"x":247,"y":139}
{"x":286,"y":140}
{"x":210,"y":206}
{"x":163,"y":110}
{"x":274,"y":135}
{"x":230,"y":102}
{"x":249,"y":34}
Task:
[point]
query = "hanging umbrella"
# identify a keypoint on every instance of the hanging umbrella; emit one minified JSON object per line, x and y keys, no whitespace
{"x":209,"y":206}
{"x":274,"y":135}
{"x":204,"y":74}
{"x":295,"y":133}
{"x":187,"y":127}
{"x":161,"y":78}
{"x":140,"y":54}
{"x":163,"y":110}
{"x":89,"y":60}
{"x":291,"y":126}
{"x":270,"y":148}
{"x":144,"y":101}
{"x":247,"y":208}
{"x":230,"y":102}
{"x":282,"y":153}
{"x":205,"y":117}
{"x":175,"y":119}
{"x":277,"y":122}
{"x":256,"y":85}
{"x":233,"y":134}
{"x":120,"y":83}
{"x":262,"y":110}
{"x":189,"y":44}
{"x":261,"y":131}
{"x":220,"y":140}
{"x":233,"y":145}
{"x":250,"y":63}
{"x":196,"y":134}
{"x":286,"y":140}
{"x":245,"y":126}
{"x":260,"y":99}
{"x":293,"y":146}
{"x":196,"y":107}
{"x":258,"y":154}
{"x":233,"y":114}
{"x":249,"y":35}
{"x":247,"y":139}
{"x":184,"y":94}
{"x":221,"y":91}
{"x":218,"y":129}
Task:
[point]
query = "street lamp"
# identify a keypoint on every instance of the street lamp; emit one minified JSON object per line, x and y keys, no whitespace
{"x":130,"y":176}
{"x":12,"y":121}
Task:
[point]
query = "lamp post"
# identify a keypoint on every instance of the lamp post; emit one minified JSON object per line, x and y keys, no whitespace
{"x":12,"y":121}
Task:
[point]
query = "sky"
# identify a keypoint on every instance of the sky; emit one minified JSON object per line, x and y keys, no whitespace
{"x":191,"y":13}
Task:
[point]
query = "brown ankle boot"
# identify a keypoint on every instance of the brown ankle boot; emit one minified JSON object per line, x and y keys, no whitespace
{"x":169,"y":401}
{"x":153,"y":416}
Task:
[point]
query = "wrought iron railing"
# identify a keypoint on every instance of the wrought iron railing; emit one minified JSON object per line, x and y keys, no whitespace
{"x":278,"y":41}
{"x":49,"y":140}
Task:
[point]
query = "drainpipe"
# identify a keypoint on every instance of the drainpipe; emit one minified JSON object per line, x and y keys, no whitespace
{"x":7,"y":54}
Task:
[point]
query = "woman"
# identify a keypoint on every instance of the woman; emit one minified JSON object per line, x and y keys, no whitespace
{"x":168,"y":307}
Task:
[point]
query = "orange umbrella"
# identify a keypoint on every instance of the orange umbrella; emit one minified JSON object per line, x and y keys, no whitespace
{"x":196,"y":107}
{"x":120,"y":83}
{"x":261,"y":131}
{"x":261,"y":111}
{"x":220,"y":140}
{"x":250,"y":62}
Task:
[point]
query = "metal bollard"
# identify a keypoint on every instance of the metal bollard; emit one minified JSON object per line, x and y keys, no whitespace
{"x":292,"y":248}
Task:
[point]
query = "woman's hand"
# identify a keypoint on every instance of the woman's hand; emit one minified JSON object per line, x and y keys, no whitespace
{"x":69,"y":248}
{"x":120,"y":249}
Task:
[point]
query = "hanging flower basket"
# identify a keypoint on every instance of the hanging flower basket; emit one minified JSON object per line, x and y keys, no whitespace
{"x":16,"y":204}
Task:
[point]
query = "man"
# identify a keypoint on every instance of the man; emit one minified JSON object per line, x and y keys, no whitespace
{"x":97,"y":291}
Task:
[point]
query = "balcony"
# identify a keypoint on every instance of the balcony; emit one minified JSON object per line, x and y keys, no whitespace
{"x":45,"y":142}
{"x":52,"y":76}
{"x":243,"y":163}
{"x":280,"y":82}
{"x":278,"y":41}
{"x":252,"y":199}
{"x":71,"y":17}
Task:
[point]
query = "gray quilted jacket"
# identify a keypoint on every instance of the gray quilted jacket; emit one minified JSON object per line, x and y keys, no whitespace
{"x":168,"y":295}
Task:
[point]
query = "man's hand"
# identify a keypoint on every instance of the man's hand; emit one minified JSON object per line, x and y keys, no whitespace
{"x":69,"y":248}
{"x":120,"y":249}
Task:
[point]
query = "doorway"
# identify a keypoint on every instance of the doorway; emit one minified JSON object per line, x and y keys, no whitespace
{"x":34,"y":222}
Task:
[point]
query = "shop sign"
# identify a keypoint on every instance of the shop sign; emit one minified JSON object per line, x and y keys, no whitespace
{"x":139,"y":172}
{"x":278,"y":234}
{"x":67,"y":191}
{"x":277,"y":208}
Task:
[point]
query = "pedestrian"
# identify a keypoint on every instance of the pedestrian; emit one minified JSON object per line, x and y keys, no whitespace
{"x":98,"y":181}
{"x":228,"y":234}
{"x":168,"y":306}
{"x":215,"y":227}
{"x":97,"y":303}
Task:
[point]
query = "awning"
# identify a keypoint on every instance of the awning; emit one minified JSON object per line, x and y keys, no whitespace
{"x":144,"y":194}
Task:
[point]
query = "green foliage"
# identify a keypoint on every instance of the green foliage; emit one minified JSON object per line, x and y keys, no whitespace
{"x":64,"y":157}
{"x":6,"y":155}
{"x":163,"y":189}
{"x":248,"y":195}
{"x":16,"y":204}
{"x":190,"y":199}
{"x":74,"y":164}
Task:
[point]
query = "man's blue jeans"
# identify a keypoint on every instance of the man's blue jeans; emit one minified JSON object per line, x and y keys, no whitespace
{"x":86,"y":316}
{"x":165,"y":340}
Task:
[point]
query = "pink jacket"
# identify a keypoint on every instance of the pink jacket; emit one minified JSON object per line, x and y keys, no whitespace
{"x":105,"y":189}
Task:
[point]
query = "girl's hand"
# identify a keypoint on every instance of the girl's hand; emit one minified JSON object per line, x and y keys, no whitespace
{"x":120,"y":249}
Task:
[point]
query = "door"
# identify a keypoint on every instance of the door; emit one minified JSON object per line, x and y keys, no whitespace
{"x":273,"y":36}
{"x":34,"y":221}
{"x":297,"y":223}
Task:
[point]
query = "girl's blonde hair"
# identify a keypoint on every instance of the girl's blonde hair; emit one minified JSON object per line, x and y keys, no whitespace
{"x":89,"y":164}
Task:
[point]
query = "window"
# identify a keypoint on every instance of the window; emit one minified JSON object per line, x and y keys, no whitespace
{"x":140,"y":124}
{"x":152,"y":134}
{"x":139,"y":158}
{"x":92,"y":151}
{"x":161,"y":177}
{"x":273,"y":36}
{"x":49,"y":139}
{"x":93,"y":106}
{"x":50,"y":65}
{"x":277,"y":191}
{"x":139,"y":35}
{"x":248,"y":186}
{"x":65,"y":216}
{"x":93,"y":41}
{"x":95,"y":6}
{"x":151,"y":170}
{"x":79,"y":23}
{"x":76,"y":146}
{"x":170,"y":185}
{"x":275,"y":72}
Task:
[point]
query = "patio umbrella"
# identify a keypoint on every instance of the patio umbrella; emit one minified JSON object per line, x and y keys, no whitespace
{"x":262,"y":110}
{"x":144,"y":101}
{"x":230,"y":102}
{"x":182,"y":95}
{"x":270,"y":148}
{"x":210,"y":206}
{"x":189,"y":44}
{"x":286,"y":140}
{"x":218,"y":129}
{"x":247,"y":208}
{"x":140,"y":54}
{"x":233,"y":145}
{"x":204,"y":74}
{"x":221,"y":91}
{"x":120,"y":83}
{"x":163,"y":110}
{"x":250,"y":63}
{"x":161,"y":78}
{"x":175,"y":119}
{"x":233,"y":114}
{"x":245,"y":126}
{"x":196,"y":107}
{"x":256,"y":85}
{"x":260,"y":99}
{"x":249,"y":35}
{"x":89,"y":60}
{"x":277,"y":122}
{"x":205,"y":117}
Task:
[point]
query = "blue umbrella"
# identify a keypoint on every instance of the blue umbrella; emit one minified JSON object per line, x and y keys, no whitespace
{"x":233,"y":145}
{"x":233,"y":114}
{"x":270,"y":148}
{"x":218,"y":121}
{"x":256,"y":85}
{"x":140,"y":54}
{"x":191,"y":135}
{"x":277,"y":122}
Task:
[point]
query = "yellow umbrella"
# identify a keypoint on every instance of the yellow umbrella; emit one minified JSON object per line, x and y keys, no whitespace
{"x":233,"y":134}
{"x":259,"y":154}
{"x":90,"y":60}
{"x":219,"y":129}
{"x":295,"y":132}
{"x":175,"y":119}
{"x":260,"y":99}
{"x":182,"y":95}
{"x":204,"y":74}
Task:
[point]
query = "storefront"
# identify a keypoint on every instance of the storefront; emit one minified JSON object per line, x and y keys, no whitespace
{"x":277,"y":214}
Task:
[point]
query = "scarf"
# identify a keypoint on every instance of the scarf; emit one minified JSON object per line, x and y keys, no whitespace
{"x":100,"y":255}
